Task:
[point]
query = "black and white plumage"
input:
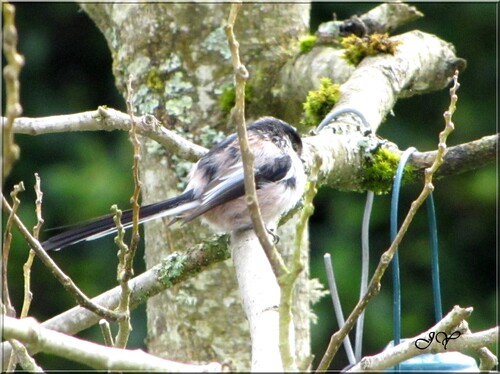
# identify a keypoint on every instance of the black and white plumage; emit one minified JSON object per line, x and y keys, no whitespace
{"x":216,"y":186}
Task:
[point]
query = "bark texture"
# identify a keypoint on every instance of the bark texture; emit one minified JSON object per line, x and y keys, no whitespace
{"x":178,"y":56}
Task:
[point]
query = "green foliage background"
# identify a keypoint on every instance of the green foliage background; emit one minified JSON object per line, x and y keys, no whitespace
{"x":68,"y":70}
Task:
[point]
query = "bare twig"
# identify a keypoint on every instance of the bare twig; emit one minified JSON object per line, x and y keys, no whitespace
{"x":374,"y":286}
{"x":127,"y":253}
{"x":277,"y":265}
{"x":108,"y":119}
{"x":6,"y":304}
{"x":38,"y":207}
{"x":6,"y":248}
{"x":94,"y":355}
{"x":460,"y":158}
{"x":241,"y":75}
{"x":455,"y":336}
{"x":22,"y":357}
{"x":13,"y":107}
{"x":122,"y":277}
{"x":66,"y":281}
{"x":106,"y":333}
{"x":487,"y":360}
{"x":137,"y":183}
{"x":28,"y":296}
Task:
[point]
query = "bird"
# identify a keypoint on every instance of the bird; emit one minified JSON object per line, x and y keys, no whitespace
{"x":216,"y":192}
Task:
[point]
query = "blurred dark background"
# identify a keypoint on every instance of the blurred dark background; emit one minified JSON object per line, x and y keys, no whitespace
{"x":68,"y":70}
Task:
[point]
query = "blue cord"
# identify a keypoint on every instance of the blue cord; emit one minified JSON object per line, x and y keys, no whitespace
{"x":436,"y":287}
{"x":396,"y":283}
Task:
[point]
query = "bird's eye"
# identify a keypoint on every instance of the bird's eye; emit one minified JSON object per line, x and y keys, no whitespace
{"x":297,"y":147}
{"x":276,"y":140}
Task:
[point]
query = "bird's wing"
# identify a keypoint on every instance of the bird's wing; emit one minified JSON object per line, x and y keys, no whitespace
{"x":231,"y":186}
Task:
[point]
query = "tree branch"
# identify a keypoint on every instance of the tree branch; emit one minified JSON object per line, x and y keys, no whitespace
{"x":346,"y":153}
{"x":422,"y":63}
{"x":454,"y":321}
{"x":94,"y":355}
{"x":460,"y":158}
{"x":110,"y":119}
{"x":260,"y":295}
{"x":384,"y":18}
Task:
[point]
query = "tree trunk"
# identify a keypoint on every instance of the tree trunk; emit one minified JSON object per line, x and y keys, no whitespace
{"x":180,"y":62}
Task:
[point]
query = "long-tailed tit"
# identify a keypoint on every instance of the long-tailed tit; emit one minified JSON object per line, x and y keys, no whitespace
{"x":216,"y":191}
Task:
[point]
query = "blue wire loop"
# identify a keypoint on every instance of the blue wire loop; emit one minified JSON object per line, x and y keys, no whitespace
{"x":393,"y":232}
{"x":431,"y":214}
{"x":436,"y":287}
{"x":396,"y":283}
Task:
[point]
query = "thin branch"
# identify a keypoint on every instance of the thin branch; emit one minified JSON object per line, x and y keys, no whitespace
{"x":94,"y":355}
{"x":460,"y":158}
{"x":283,"y":359}
{"x":124,"y":326}
{"x":374,"y":286}
{"x":136,"y":144}
{"x":383,"y":18}
{"x":487,"y":359}
{"x":126,"y":253}
{"x":66,"y":281}
{"x":454,"y":336}
{"x":106,"y":333}
{"x":7,"y":308}
{"x":241,"y":75}
{"x":22,"y":357}
{"x":11,"y":71}
{"x":38,"y":207}
{"x":6,"y":248}
{"x":108,"y":119}
{"x":327,"y":146}
{"x":28,"y":296}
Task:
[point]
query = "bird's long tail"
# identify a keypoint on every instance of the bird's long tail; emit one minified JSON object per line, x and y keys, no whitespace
{"x":105,"y":225}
